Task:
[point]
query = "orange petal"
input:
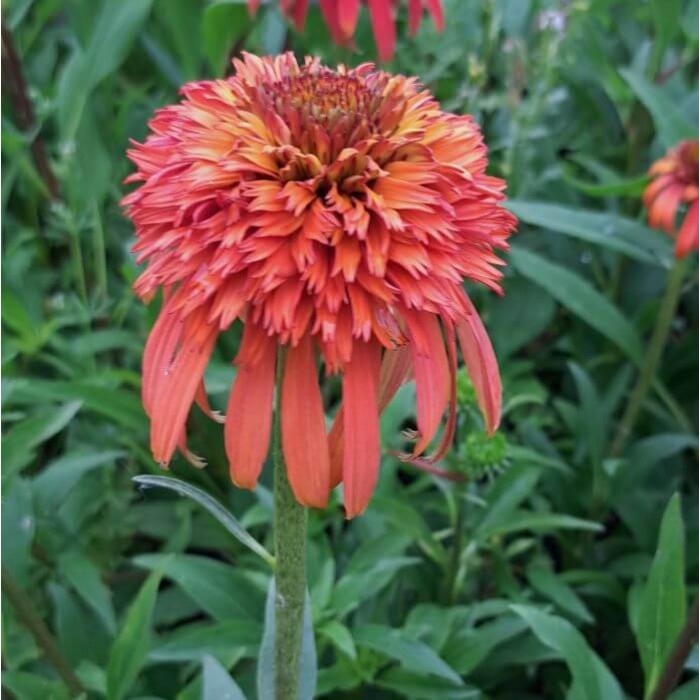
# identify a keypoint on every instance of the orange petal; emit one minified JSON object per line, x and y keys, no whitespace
{"x":482,"y":366}
{"x":415,"y":10}
{"x":329,"y":9}
{"x":158,"y":353}
{"x":395,"y":370}
{"x":448,"y":434}
{"x":176,"y":385}
{"x":687,"y":240}
{"x":347,"y":16}
{"x":435,"y":10}
{"x":249,"y":412}
{"x":300,"y":9}
{"x":202,"y":400}
{"x":361,"y":450}
{"x":382,"y":17}
{"x":304,"y":440}
{"x":195,"y":460}
{"x":431,"y":371}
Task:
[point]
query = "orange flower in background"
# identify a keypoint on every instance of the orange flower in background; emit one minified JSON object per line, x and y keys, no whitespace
{"x":341,"y":18}
{"x":674,"y":183}
{"x":336,"y":214}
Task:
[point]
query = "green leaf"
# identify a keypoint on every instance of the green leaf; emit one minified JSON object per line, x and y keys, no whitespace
{"x":178,"y":18}
{"x":195,"y":641}
{"x":85,"y":578}
{"x":506,"y":495}
{"x":223,"y":23}
{"x":688,"y":691}
{"x":404,"y":517}
{"x":211,"y":505}
{"x":341,"y":638}
{"x":217,"y":588}
{"x":53,"y":485}
{"x":605,"y":230}
{"x":80,"y":639}
{"x":27,"y":686}
{"x":592,"y":419}
{"x":471,"y":646}
{"x":527,"y":314}
{"x":216,"y":682}
{"x":410,"y":653}
{"x":629,"y":187}
{"x":670,"y":122}
{"x":418,"y":687}
{"x":663,"y":606}
{"x":119,"y":405}
{"x":19,"y":443}
{"x":357,"y":586}
{"x":130,"y":649}
{"x":667,"y":23}
{"x":274,"y":31}
{"x":111,"y":38}
{"x":18,"y":527}
{"x":540,"y":522}
{"x":548,"y":584}
{"x":308,"y":669}
{"x":581,"y":298}
{"x":592,"y":680}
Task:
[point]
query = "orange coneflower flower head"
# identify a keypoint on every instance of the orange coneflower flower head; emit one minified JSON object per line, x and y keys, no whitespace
{"x":674,"y":184}
{"x":336,"y":213}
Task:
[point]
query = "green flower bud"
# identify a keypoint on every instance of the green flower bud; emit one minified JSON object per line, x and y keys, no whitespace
{"x":481,"y":455}
{"x":466,"y":395}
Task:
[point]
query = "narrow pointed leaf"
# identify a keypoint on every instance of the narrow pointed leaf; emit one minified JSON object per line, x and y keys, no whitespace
{"x":213,"y":506}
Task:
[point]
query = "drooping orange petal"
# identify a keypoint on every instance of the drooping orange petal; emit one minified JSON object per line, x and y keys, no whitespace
{"x":158,"y":353}
{"x":435,"y":11}
{"x":482,"y":366}
{"x":347,"y":16}
{"x":451,"y":425}
{"x":329,"y":9}
{"x":202,"y":400}
{"x":361,"y":450}
{"x":249,"y":412}
{"x":382,"y":17}
{"x":687,"y":240}
{"x":431,"y":371}
{"x":195,"y":460}
{"x":415,"y":10}
{"x":395,"y":370}
{"x":177,"y":384}
{"x":299,"y":14}
{"x":304,"y":441}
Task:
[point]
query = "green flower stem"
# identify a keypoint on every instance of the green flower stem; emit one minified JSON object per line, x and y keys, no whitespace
{"x":26,"y":614}
{"x":657,"y":343}
{"x":290,"y":567}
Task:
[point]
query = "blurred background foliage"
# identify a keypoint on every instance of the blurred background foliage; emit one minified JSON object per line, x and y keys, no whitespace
{"x":547,"y":572}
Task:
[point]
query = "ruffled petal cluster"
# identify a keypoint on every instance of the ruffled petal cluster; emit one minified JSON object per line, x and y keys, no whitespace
{"x":341,"y":17}
{"x":674,"y":184}
{"x":336,"y":213}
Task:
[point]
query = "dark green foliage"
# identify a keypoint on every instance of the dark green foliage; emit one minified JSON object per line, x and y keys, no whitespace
{"x":553,"y":571}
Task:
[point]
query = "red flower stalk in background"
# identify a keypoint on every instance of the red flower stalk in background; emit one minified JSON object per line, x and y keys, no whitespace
{"x":335,"y":213}
{"x":341,"y":18}
{"x":675,"y":182}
